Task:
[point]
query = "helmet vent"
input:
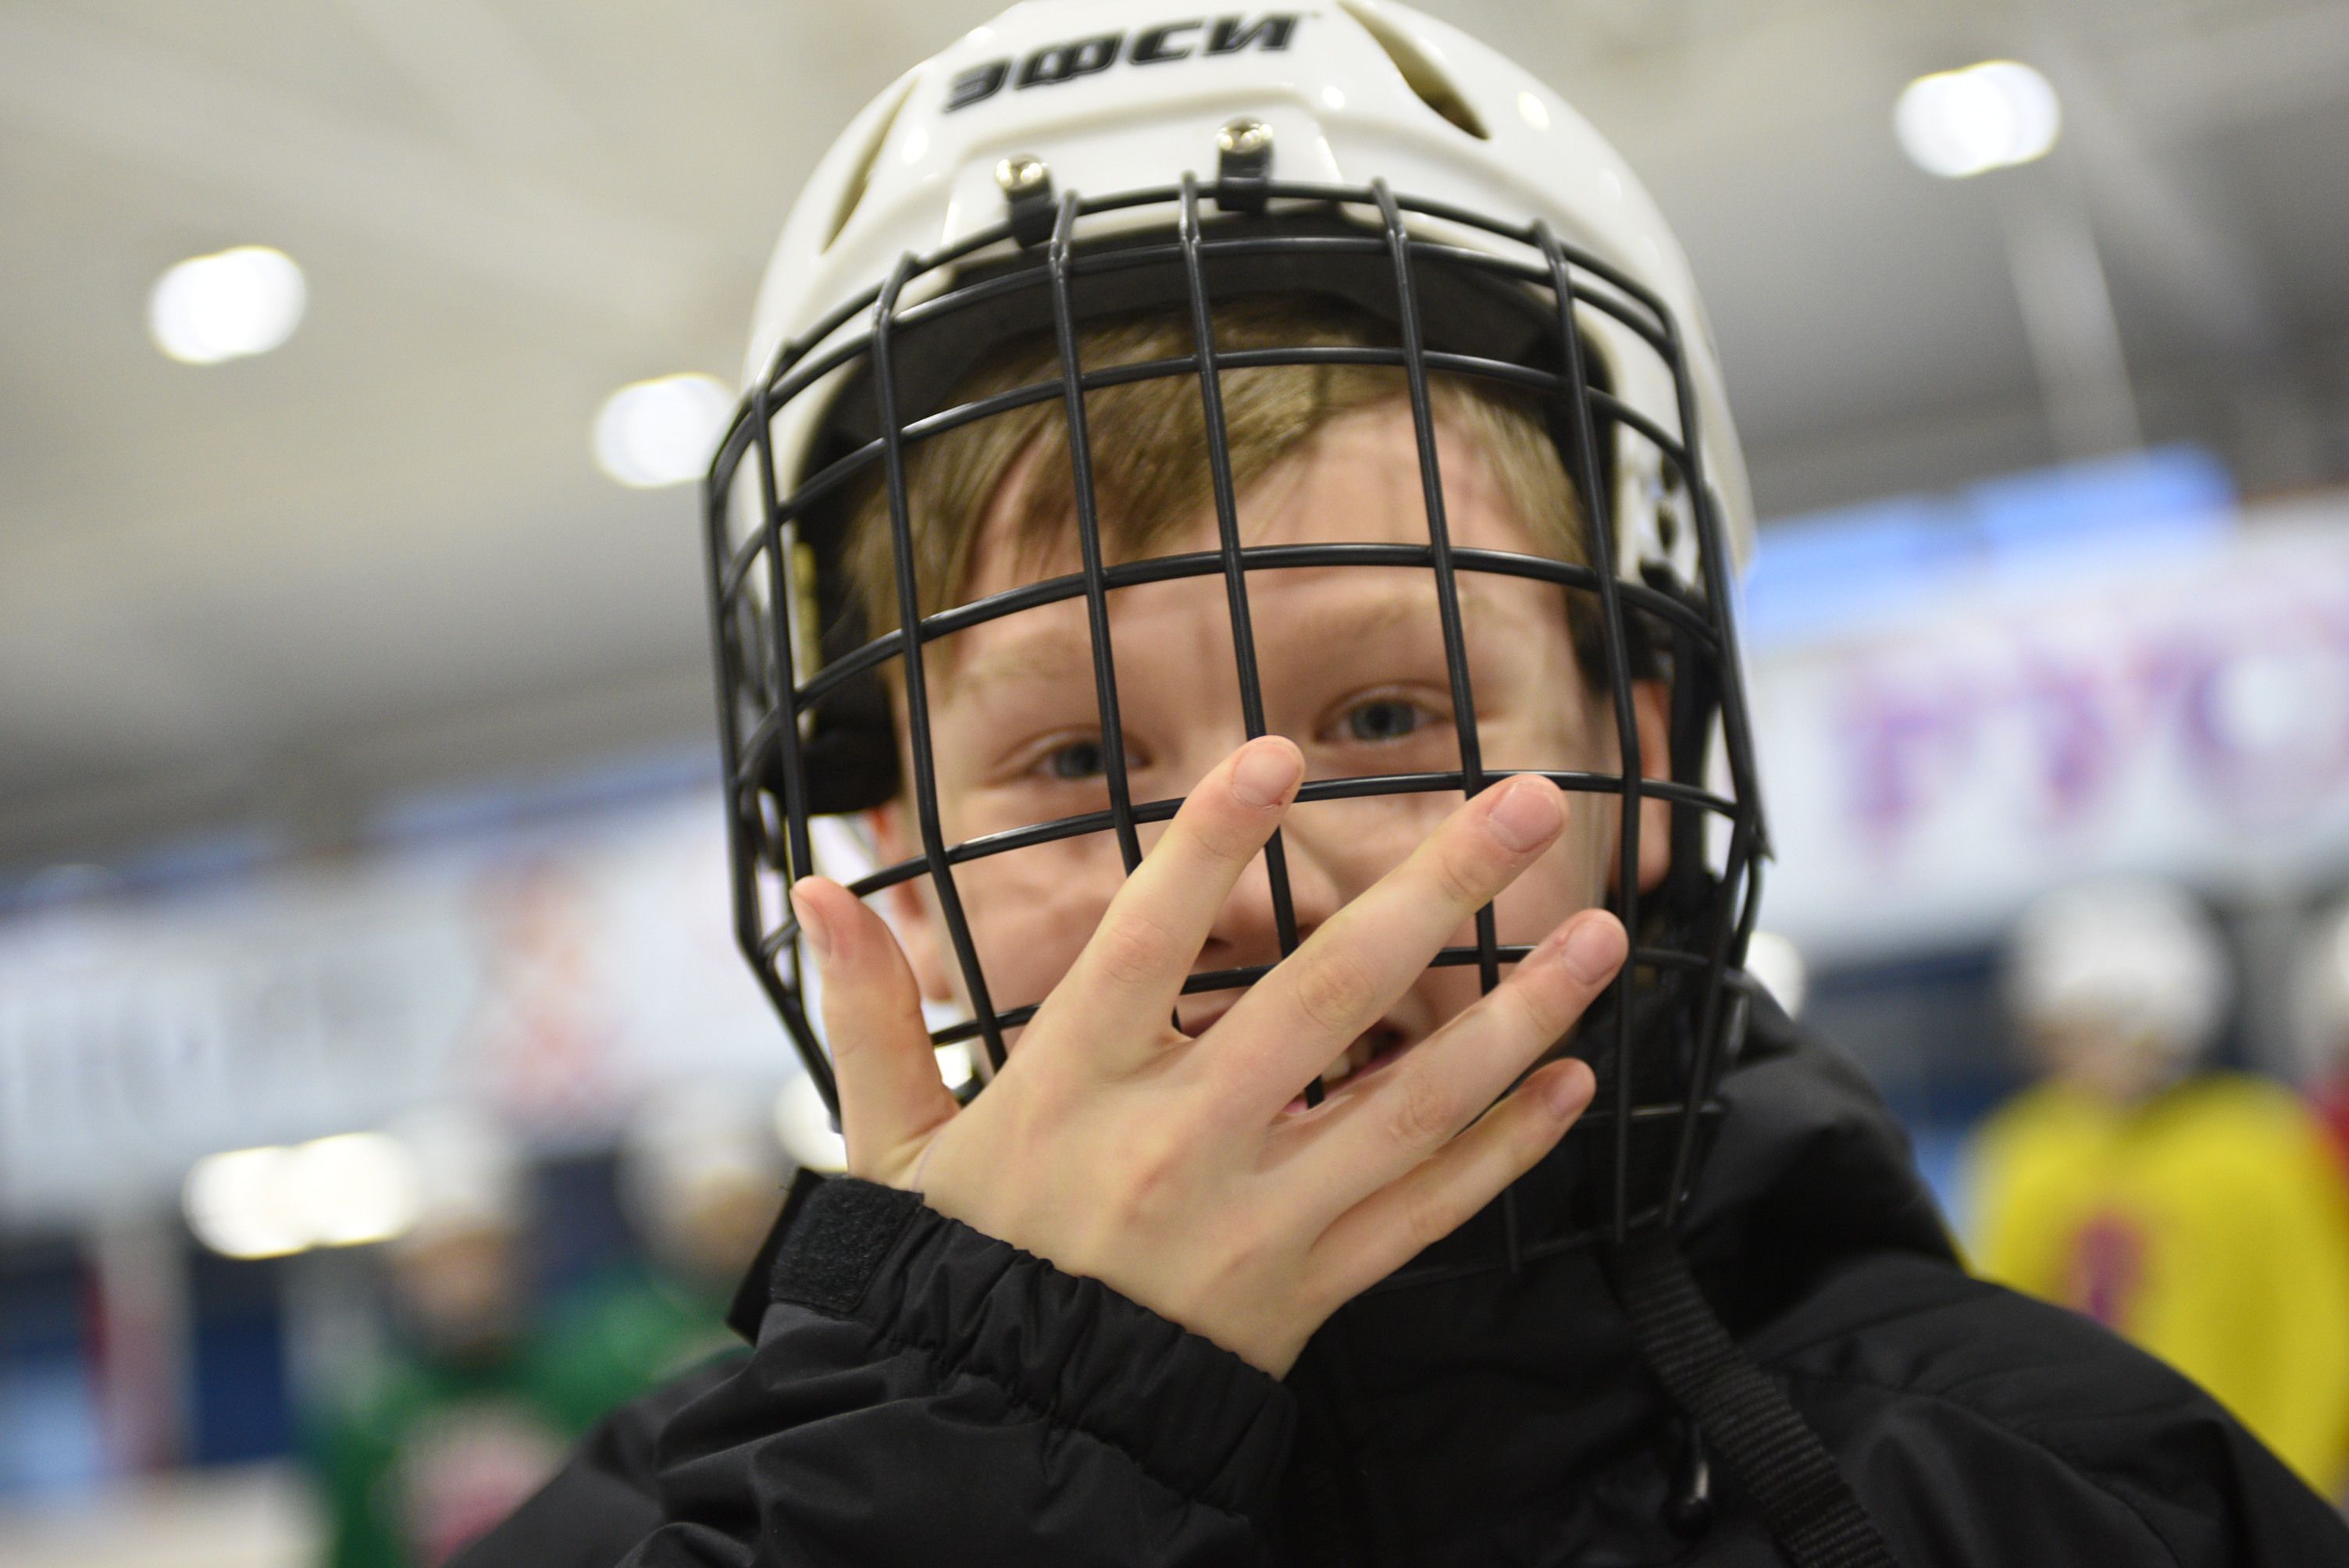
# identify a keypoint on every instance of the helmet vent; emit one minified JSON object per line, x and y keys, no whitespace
{"x":1422,"y":74}
{"x":852,"y":191}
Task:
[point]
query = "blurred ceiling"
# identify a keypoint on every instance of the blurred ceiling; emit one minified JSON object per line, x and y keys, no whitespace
{"x":380,"y":559}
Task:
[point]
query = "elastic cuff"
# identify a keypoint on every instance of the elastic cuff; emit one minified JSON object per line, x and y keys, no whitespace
{"x":1201,"y":1420}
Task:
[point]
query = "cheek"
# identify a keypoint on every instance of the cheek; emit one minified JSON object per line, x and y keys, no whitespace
{"x":1347,"y":845}
{"x":1031,"y":912}
{"x":1570,"y":878}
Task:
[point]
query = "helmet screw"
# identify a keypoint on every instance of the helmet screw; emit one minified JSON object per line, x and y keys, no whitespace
{"x":1244,"y":138}
{"x":1243,"y":164}
{"x":1022,"y":174}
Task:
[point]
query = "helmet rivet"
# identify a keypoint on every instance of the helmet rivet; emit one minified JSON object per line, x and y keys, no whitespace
{"x":1020,"y":173}
{"x":1244,"y":138}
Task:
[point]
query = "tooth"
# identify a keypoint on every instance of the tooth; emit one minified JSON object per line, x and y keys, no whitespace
{"x":1351,"y":1061}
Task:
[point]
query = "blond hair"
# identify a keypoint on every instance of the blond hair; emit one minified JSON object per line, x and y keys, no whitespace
{"x":1150,"y":451}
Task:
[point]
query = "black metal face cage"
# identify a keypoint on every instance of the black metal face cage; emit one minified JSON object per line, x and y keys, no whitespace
{"x":802,"y":738}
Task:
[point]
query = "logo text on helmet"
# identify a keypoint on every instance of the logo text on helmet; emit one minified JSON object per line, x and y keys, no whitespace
{"x":1166,"y":41}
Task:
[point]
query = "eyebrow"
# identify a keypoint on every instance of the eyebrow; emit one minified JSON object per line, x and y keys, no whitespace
{"x":1058,"y":655}
{"x":1039,"y":656}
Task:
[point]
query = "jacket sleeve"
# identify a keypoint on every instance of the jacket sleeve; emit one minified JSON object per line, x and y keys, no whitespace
{"x":604,"y":1499}
{"x":1981,"y":1427}
{"x":922,"y":1393}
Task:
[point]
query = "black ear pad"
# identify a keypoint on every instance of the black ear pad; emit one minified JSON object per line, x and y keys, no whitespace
{"x":850,"y":759}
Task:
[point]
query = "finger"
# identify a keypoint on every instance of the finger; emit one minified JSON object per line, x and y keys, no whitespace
{"x":1436,"y":1198}
{"x":1348,"y":973}
{"x":1123,"y":986}
{"x":1377,"y":1130}
{"x":891,"y":1095}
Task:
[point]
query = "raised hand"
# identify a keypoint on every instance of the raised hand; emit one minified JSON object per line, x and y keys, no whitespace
{"x":1180,"y":1171}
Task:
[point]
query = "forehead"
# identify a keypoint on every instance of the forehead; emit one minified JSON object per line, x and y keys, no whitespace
{"x":1358,"y":481}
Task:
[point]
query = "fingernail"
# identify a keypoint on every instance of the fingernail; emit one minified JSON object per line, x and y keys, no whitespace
{"x":1526,"y":814}
{"x":1265,"y":770}
{"x":814,"y":932}
{"x":1568,"y":1092}
{"x":1593,"y":950}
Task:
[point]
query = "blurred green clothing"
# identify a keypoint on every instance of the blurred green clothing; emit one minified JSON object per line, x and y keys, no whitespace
{"x":626,"y":1333}
{"x":2211,"y":1225}
{"x":418,"y":1456}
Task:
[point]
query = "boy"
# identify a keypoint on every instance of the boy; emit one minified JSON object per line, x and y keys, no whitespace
{"x":1275,"y":628}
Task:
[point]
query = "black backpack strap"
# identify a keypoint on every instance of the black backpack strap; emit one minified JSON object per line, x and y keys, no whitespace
{"x":1748,"y":1420}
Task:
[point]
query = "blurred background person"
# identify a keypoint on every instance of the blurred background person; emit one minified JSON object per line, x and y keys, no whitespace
{"x":464,"y":1412}
{"x":2197,"y":1211}
{"x":701,"y":1178}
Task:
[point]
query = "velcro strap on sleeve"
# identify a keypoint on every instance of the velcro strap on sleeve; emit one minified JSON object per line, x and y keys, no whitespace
{"x":835,"y":1239}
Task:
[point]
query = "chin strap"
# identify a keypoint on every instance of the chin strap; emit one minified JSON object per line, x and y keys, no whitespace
{"x":1810,"y":1508}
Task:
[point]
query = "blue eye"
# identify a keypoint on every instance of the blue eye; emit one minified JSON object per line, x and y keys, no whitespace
{"x":1383,"y":718}
{"x":1079,"y":761}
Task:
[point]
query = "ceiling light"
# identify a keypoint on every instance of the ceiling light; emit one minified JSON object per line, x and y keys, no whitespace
{"x":226,"y":305}
{"x":339,"y":1192}
{"x":355,"y":1187}
{"x":662,"y":432}
{"x":238,"y":1204}
{"x":1990,"y":116}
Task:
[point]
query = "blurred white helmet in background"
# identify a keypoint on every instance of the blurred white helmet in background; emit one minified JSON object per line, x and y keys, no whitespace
{"x":701,"y":1172}
{"x":693,"y":1141}
{"x":468,"y":1173}
{"x":2133,"y":961}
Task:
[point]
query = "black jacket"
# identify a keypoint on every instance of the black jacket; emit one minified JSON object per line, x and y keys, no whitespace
{"x":921,"y":1394}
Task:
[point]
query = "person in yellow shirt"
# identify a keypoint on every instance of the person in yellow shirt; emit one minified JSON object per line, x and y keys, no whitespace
{"x":2199,"y":1214}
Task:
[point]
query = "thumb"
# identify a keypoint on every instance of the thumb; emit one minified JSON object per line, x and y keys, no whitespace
{"x":891,"y":1097}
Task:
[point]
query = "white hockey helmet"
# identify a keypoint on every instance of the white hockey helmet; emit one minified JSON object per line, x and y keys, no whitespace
{"x":2132,"y":958}
{"x":1074,"y":159}
{"x":1105,"y":97}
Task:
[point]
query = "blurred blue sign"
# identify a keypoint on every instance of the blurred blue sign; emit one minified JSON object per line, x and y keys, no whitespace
{"x":1857,"y":566}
